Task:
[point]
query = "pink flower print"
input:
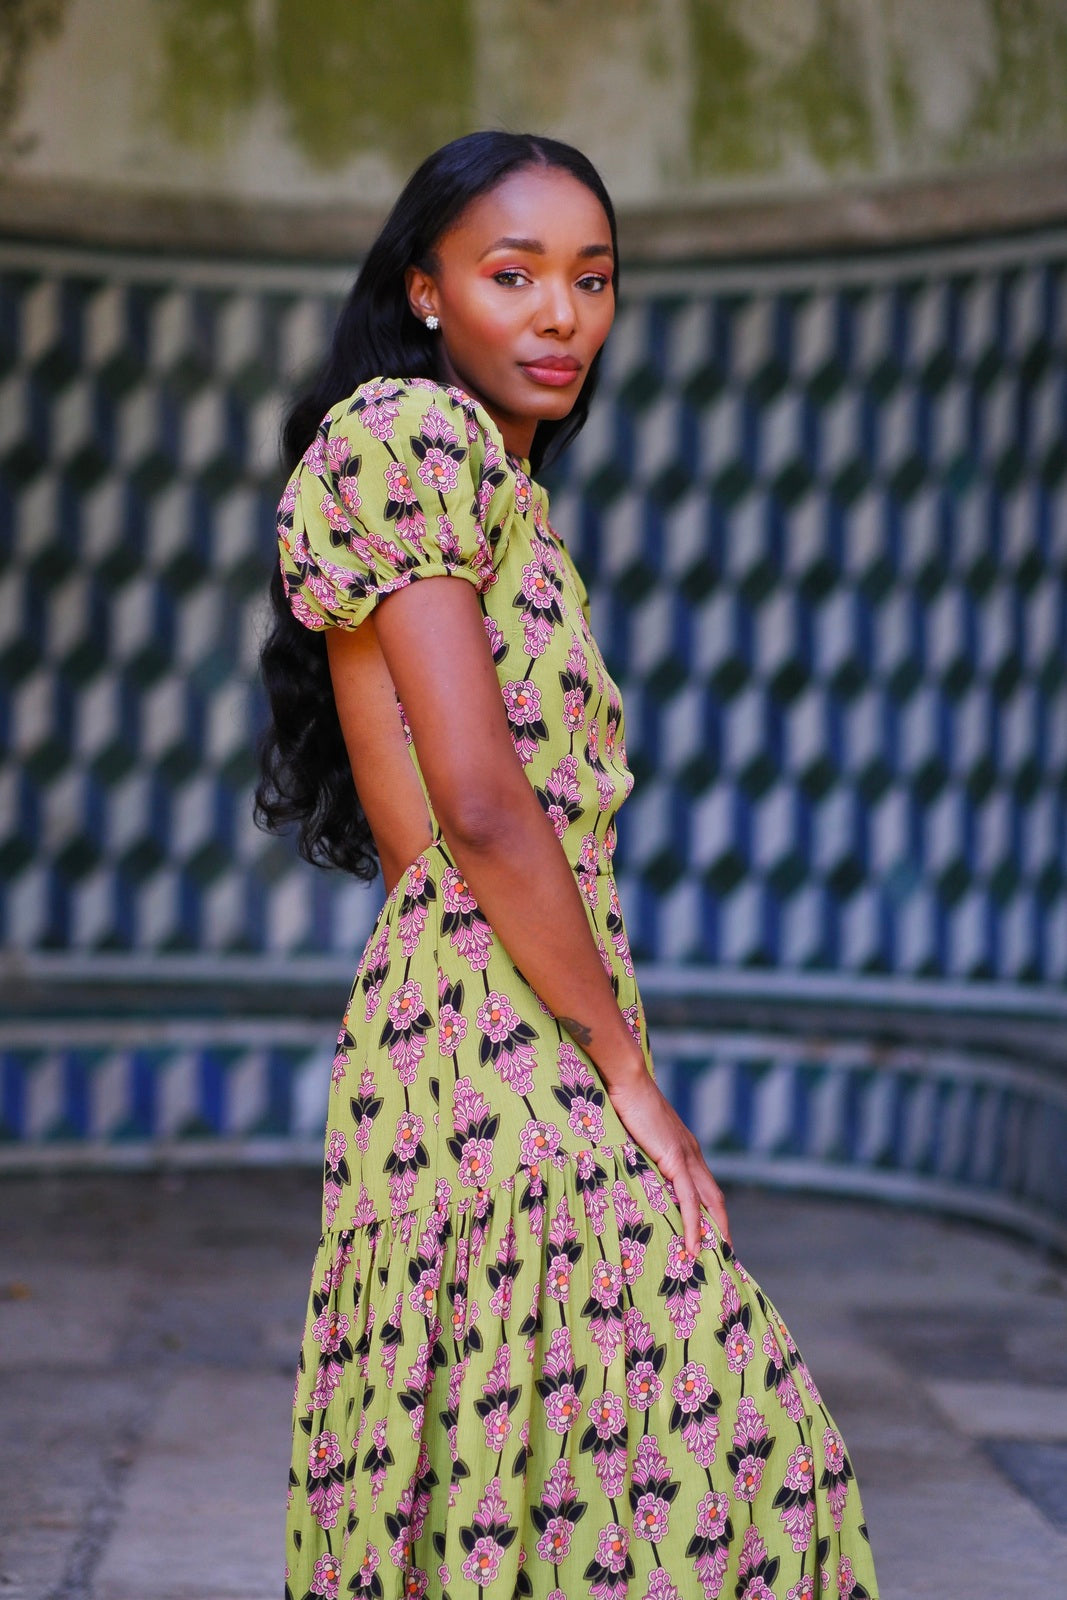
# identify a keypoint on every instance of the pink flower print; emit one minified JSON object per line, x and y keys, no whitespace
{"x":713,"y":1516}
{"x":558,"y":1277}
{"x":632,"y":1254}
{"x":846,"y":1578}
{"x":589,"y":853}
{"x":523,"y":492}
{"x":661,"y":1587}
{"x":348,"y":489}
{"x":751,"y":1425}
{"x":324,"y":1455}
{"x":329,"y":1329}
{"x":523,"y":701}
{"x":338,"y":452}
{"x":538,"y":589}
{"x":605,"y":791}
{"x":573,"y":710}
{"x":711,"y":1542}
{"x":789,"y":1397}
{"x":536,"y":634}
{"x":409,"y":1129}
{"x":401,"y":490}
{"x":331,"y":1199}
{"x":333,"y":514}
{"x":497,"y":1428}
{"x":611,"y":1567}
{"x":436,"y":425}
{"x":756,"y":1589}
{"x":403,"y":1033}
{"x":609,"y":1461}
{"x":423,"y":1297}
{"x":748,"y":1478}
{"x":586,"y":1119}
{"x":336,"y":1146}
{"x":326,"y":1577}
{"x":655,"y":1193}
{"x":606,"y":1286}
{"x":467,"y":929}
{"x":739,"y":1347}
{"x":651,"y":1517}
{"x":468,"y":1107}
{"x":563,"y":1408}
{"x":563,"y":785}
{"x":325,"y":1501}
{"x":305,"y":615}
{"x":446,"y":538}
{"x":691,"y":1387}
{"x":496,"y":1017}
{"x":497,"y":642}
{"x":483,"y":1562}
{"x":607,"y":1414}
{"x":381,"y":411}
{"x":538,"y":1141}
{"x":836,"y":1473}
{"x":695,"y":1412}
{"x":438,"y":470}
{"x":796,"y":1497}
{"x":405,"y":1005}
{"x":804,"y":1590}
{"x":451,"y":1029}
{"x":643,"y":1386}
{"x":555,"y":1543}
{"x":476,"y":1163}
{"x":682,"y":1278}
{"x":809,"y":1382}
{"x":612,"y":1545}
{"x":507,"y":1042}
{"x":314,"y":457}
{"x":754,"y":1559}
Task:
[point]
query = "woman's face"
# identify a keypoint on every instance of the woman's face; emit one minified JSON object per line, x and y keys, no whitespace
{"x":522,"y":287}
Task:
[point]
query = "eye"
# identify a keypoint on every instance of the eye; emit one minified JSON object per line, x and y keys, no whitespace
{"x":593,"y":283}
{"x":509,"y":277}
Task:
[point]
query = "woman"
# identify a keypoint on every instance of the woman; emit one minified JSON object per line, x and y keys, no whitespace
{"x":532,"y":1364}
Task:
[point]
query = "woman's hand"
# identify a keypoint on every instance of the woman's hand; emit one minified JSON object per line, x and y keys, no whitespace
{"x":654,"y":1125}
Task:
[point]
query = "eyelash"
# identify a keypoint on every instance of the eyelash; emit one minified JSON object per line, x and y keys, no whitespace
{"x":516,"y":272}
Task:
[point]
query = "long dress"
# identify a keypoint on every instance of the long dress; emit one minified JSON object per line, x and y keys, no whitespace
{"x":514,"y":1379}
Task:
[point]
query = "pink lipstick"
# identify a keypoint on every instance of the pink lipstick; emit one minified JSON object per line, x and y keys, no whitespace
{"x":556,"y":371}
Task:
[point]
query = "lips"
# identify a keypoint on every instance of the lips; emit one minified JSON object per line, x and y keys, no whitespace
{"x":555,"y":371}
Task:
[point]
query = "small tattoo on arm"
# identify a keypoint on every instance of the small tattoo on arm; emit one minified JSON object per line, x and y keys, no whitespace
{"x":577,"y":1030}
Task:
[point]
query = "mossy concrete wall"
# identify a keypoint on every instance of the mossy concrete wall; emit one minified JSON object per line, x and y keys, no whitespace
{"x":281,"y":125}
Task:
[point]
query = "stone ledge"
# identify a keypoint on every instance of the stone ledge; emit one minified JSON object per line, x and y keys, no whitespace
{"x":853,"y":217}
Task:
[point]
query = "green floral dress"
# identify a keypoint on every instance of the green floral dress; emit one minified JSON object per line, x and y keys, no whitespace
{"x":515,"y":1381}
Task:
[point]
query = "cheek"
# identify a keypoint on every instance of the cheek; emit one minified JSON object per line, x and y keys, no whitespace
{"x":486,"y":317}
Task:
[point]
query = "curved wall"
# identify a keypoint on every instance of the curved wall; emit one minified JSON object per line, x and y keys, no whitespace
{"x":823,"y":512}
{"x":720,"y":125}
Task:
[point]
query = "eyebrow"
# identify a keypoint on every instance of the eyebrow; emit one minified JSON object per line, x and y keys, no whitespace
{"x":535,"y":247}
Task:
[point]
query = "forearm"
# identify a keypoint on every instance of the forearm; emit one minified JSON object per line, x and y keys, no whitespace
{"x":526,"y":889}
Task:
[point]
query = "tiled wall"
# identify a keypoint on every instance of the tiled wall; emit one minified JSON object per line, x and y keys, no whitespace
{"x":822,"y":509}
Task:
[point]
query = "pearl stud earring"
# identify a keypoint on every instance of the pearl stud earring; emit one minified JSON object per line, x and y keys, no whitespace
{"x":433,"y":323}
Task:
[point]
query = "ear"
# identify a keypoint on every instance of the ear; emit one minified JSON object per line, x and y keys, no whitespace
{"x":422,"y":293}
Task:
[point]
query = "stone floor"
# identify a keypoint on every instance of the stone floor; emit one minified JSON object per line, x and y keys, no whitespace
{"x":148,"y":1329}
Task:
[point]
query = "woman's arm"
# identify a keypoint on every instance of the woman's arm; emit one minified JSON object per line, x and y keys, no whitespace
{"x":433,"y":640}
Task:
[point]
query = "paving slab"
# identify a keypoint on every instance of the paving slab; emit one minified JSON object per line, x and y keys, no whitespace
{"x":149,"y":1327}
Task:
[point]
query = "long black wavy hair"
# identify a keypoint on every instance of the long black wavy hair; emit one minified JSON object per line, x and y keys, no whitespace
{"x":306,"y":778}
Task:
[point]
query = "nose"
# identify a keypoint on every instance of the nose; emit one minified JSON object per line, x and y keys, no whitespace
{"x":556,"y":311}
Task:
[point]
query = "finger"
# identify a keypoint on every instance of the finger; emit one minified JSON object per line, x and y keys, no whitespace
{"x":689,"y":1202}
{"x":712,"y":1197}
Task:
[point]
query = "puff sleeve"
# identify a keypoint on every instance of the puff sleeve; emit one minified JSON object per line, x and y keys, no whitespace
{"x":403,"y":481}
